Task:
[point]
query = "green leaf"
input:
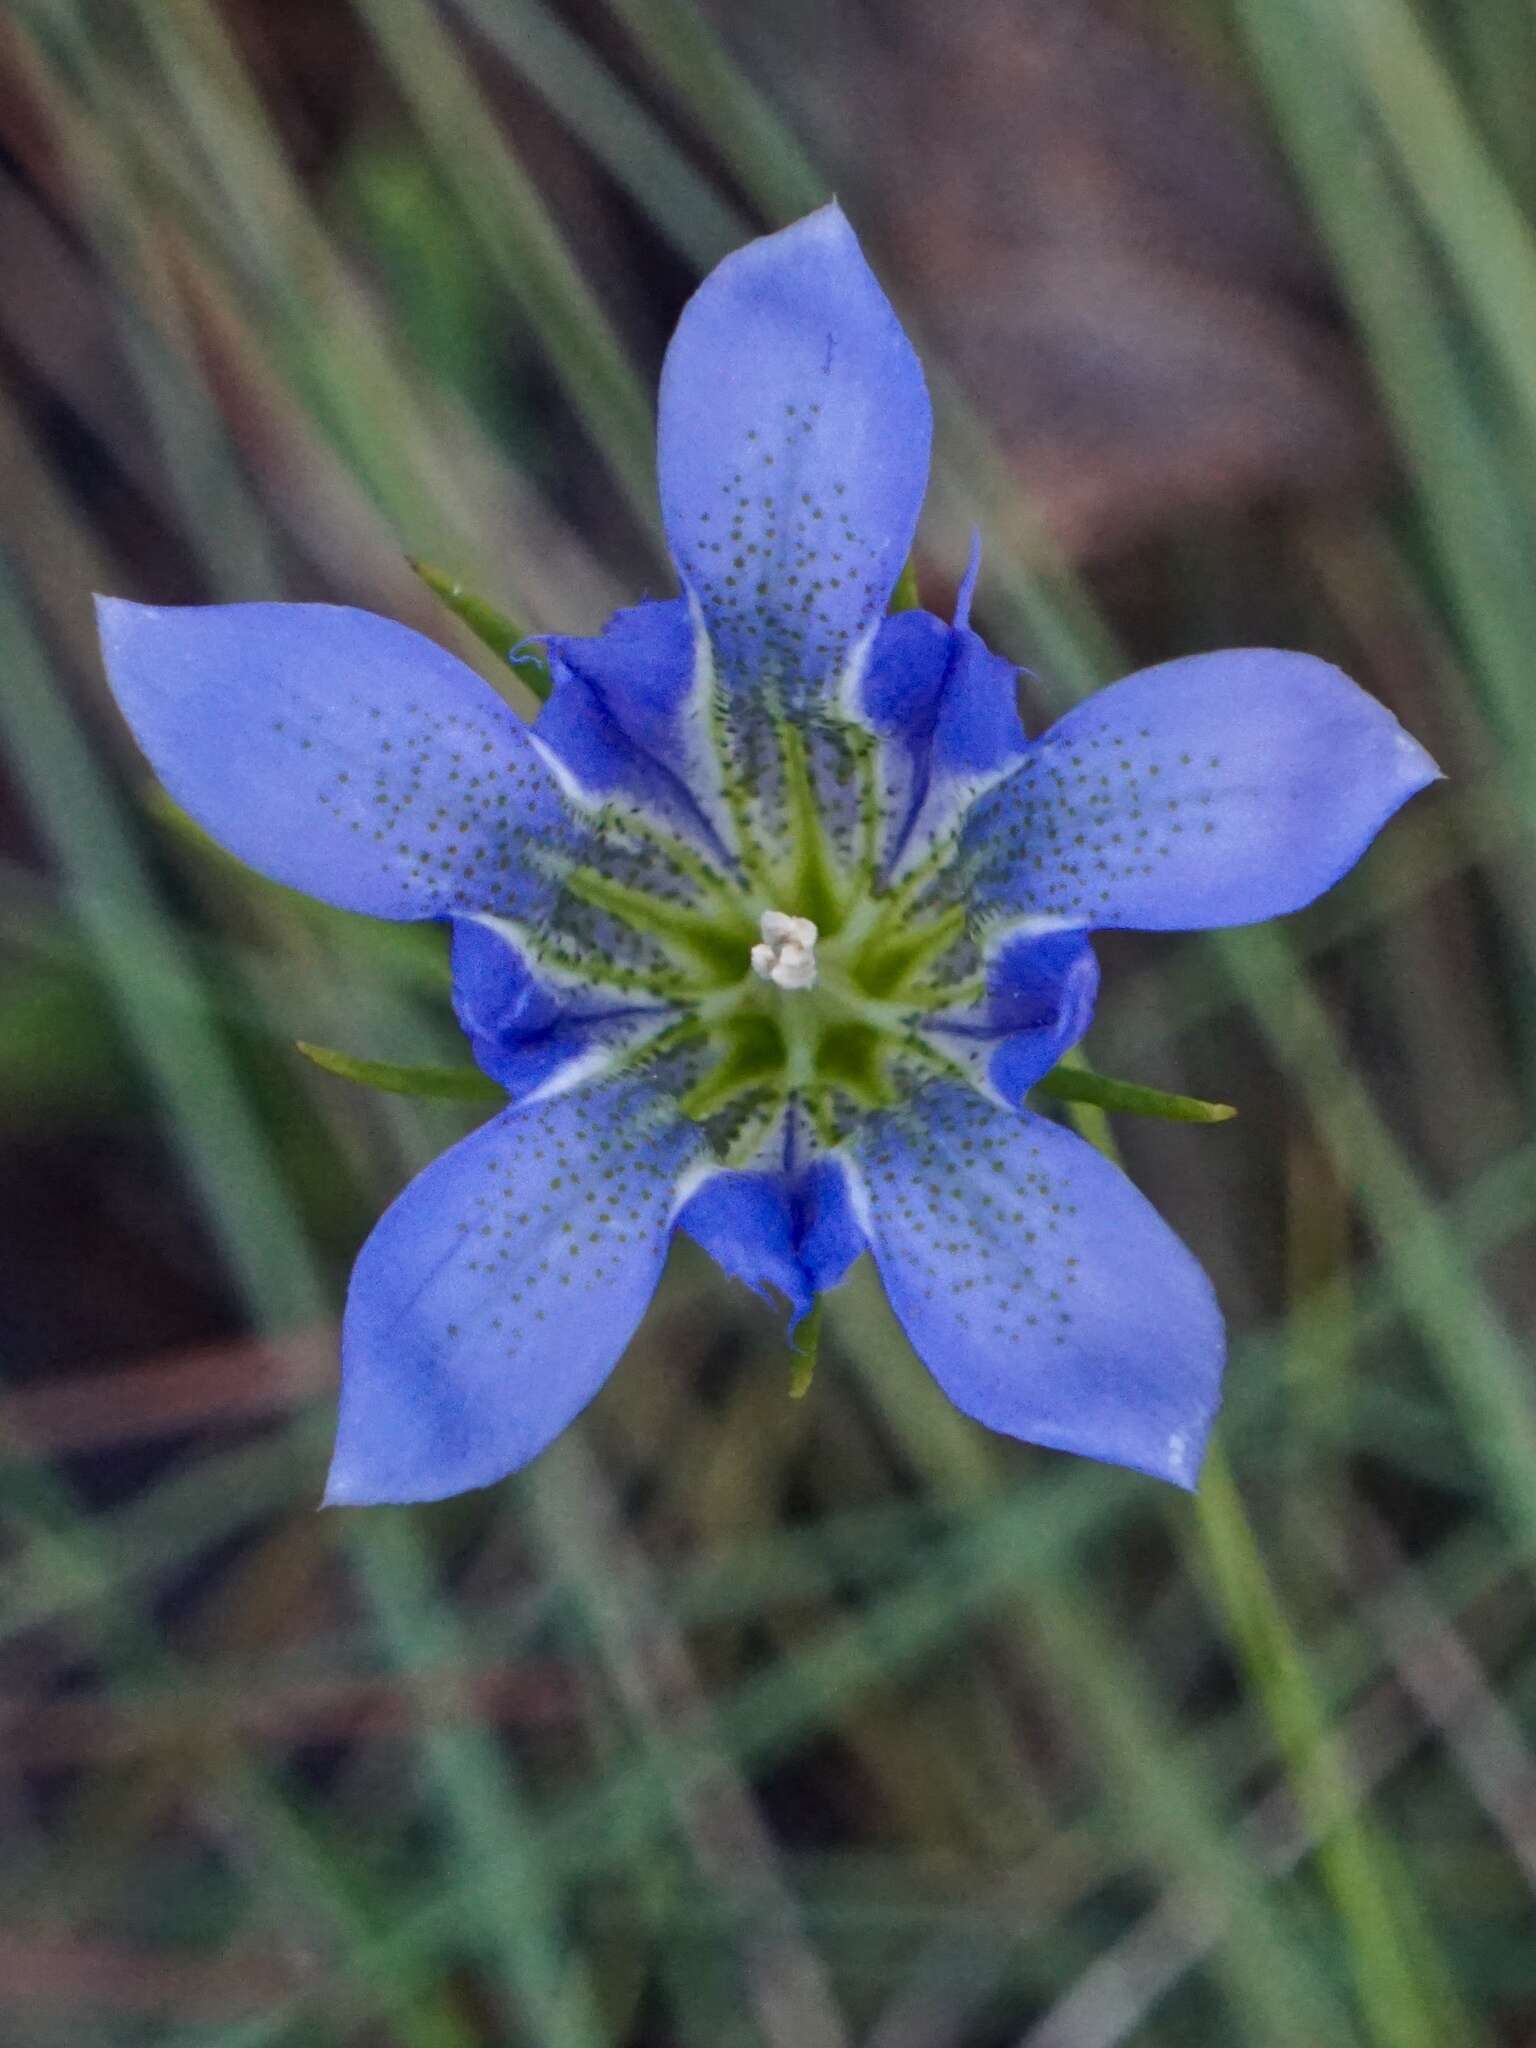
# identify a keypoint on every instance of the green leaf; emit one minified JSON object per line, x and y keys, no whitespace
{"x":455,"y":1084}
{"x":63,"y":1058}
{"x":491,"y":627}
{"x":1076,"y":1084}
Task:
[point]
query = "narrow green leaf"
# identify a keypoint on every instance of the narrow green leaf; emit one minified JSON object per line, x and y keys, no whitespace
{"x":63,"y":1058}
{"x":1076,"y":1084}
{"x":1402,"y":1992}
{"x":454,"y":1084}
{"x":489,"y":626}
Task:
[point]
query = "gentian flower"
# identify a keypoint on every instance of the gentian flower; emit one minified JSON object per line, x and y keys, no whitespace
{"x":770,"y":922}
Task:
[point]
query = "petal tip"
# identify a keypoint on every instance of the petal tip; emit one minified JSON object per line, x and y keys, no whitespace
{"x":826,"y":225}
{"x":114,"y":616}
{"x":348,"y":1484}
{"x":1420,"y":768}
{"x":346,"y":1489}
{"x":829,"y":219}
{"x":1185,"y":1454}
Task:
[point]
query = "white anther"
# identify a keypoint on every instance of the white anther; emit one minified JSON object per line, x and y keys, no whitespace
{"x":776,"y":927}
{"x":795,"y":967}
{"x":787,"y":955}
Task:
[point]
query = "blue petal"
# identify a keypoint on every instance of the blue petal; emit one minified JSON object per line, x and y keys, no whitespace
{"x":636,"y":673}
{"x":496,"y":995}
{"x":1041,"y":991}
{"x":496,"y":1294}
{"x":1044,"y":985}
{"x":1046,"y":1296}
{"x":946,"y":710}
{"x":743,"y":1221}
{"x":522,"y":1030}
{"x":1213,"y":791}
{"x":793,"y":453}
{"x":626,"y":718}
{"x":829,"y":1235}
{"x":339,"y":753}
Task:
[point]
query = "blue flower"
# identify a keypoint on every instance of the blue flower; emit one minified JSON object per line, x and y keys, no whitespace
{"x":770,"y":922}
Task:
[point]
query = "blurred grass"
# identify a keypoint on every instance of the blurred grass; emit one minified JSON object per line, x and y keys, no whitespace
{"x":738,"y":1719}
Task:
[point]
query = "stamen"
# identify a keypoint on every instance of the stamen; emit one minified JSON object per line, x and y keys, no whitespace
{"x":787,"y":954}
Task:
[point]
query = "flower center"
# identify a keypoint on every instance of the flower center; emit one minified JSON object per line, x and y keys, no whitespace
{"x":786,"y":955}
{"x":823,"y":1009}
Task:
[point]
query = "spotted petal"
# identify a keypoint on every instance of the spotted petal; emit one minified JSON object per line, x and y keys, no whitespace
{"x":1213,"y":791}
{"x":496,"y":1294}
{"x":1045,"y":1295}
{"x":793,"y":454}
{"x":340,"y":753}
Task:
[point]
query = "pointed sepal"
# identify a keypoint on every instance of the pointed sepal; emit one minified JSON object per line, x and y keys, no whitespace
{"x":1078,"y":1084}
{"x":446,"y":1084}
{"x":492,"y":628}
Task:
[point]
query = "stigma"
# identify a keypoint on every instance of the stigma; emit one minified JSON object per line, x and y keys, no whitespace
{"x":787,"y":953}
